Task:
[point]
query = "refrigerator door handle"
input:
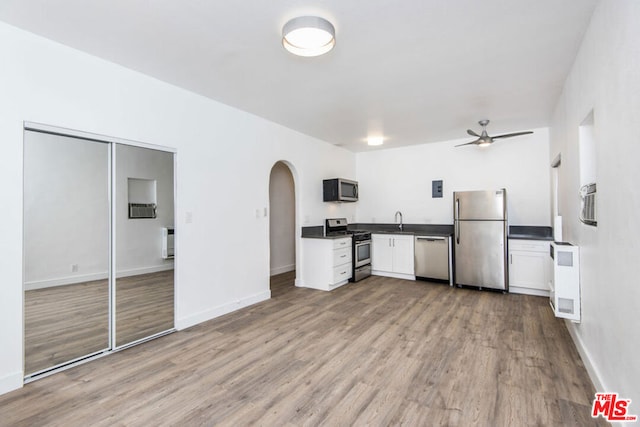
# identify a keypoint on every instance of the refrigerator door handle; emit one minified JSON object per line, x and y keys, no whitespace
{"x":456,"y":220}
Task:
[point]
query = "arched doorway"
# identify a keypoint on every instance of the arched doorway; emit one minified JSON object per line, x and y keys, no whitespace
{"x":282,"y":221}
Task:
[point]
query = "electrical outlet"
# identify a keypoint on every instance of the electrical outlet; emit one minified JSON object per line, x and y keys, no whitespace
{"x":74,"y":268}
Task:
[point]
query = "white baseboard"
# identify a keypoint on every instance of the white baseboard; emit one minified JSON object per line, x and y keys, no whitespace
{"x":70,"y":280}
{"x":593,"y":372}
{"x":144,"y":270}
{"x":528,"y":291}
{"x":220,"y":310}
{"x":11,"y":382}
{"x":394,"y":275}
{"x":283,"y":269}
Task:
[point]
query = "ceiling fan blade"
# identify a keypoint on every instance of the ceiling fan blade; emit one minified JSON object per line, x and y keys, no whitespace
{"x":468,"y":143}
{"x":509,"y":135}
{"x":472,"y":133}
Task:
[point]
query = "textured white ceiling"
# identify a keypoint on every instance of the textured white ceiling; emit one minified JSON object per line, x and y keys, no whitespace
{"x":415,"y":71}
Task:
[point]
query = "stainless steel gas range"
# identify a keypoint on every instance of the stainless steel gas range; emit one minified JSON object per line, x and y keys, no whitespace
{"x":360,"y":243}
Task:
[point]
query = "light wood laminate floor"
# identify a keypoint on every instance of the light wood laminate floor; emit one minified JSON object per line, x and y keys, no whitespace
{"x":63,"y":323}
{"x":378,"y":352}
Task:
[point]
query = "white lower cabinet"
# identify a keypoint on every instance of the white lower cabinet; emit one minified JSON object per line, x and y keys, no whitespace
{"x":392,"y":255}
{"x":529,"y":267}
{"x":327,"y":263}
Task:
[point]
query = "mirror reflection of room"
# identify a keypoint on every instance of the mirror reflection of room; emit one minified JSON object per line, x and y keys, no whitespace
{"x":66,"y":249}
{"x":70,"y":229}
{"x":144,"y":272}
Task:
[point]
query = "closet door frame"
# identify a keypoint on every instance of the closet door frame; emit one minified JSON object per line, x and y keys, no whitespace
{"x":112,"y":141}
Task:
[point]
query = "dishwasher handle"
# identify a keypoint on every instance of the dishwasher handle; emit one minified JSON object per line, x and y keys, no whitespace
{"x":431,"y":239}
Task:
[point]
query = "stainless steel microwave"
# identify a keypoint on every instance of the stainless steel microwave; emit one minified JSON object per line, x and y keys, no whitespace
{"x":339,"y":190}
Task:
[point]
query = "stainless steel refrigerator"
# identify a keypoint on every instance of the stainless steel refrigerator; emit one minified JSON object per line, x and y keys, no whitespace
{"x":480,"y":227}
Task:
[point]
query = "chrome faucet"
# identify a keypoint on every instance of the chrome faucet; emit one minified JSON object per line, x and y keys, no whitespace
{"x":395,"y":219}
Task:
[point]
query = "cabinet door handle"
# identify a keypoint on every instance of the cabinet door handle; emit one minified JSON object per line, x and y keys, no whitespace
{"x":510,"y":258}
{"x":343,"y":256}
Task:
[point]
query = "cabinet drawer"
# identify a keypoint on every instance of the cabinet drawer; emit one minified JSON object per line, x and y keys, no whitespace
{"x":341,"y":272}
{"x":341,"y":256}
{"x":342,"y":243}
{"x":529,"y":245}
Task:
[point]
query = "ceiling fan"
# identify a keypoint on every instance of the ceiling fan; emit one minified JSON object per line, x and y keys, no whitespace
{"x":484,"y":139}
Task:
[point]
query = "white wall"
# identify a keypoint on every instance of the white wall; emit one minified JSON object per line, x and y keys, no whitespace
{"x":282,"y":220}
{"x":139,"y":241}
{"x":224,"y":158}
{"x":66,"y":214}
{"x":605,"y":78}
{"x":400,"y":179}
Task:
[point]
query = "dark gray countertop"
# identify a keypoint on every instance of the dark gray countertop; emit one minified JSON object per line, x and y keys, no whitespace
{"x":522,"y":232}
{"x":437,"y":230}
{"x":317,"y":232}
{"x":528,"y":232}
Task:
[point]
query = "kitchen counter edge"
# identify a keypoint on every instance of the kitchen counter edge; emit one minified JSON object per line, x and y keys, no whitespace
{"x":527,"y":232}
{"x":436,"y":230}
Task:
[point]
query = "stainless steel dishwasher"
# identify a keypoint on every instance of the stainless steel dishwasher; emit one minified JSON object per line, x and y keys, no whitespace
{"x":432,"y":258}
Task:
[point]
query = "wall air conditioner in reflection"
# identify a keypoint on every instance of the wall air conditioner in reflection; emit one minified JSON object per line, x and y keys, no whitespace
{"x":142,"y":210}
{"x":588,"y":204}
{"x":168,"y":251}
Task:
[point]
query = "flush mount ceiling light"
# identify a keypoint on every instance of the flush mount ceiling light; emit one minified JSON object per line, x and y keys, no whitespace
{"x":375,"y":140}
{"x":308,"y":36}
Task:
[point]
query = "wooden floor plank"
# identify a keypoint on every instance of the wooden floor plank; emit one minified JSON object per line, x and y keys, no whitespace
{"x":66,"y":322}
{"x":377,"y":352}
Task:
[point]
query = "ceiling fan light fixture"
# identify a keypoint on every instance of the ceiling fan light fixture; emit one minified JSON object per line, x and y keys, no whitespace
{"x":308,"y":36}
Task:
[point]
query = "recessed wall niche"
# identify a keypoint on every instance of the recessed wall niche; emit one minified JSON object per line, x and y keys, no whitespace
{"x":142,"y":198}
{"x":587,"y":156}
{"x":587,"y":150}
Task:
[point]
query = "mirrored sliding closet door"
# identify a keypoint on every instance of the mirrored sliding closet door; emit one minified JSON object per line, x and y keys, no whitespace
{"x":98,"y":247}
{"x":66,"y":249}
{"x":144,"y":243}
